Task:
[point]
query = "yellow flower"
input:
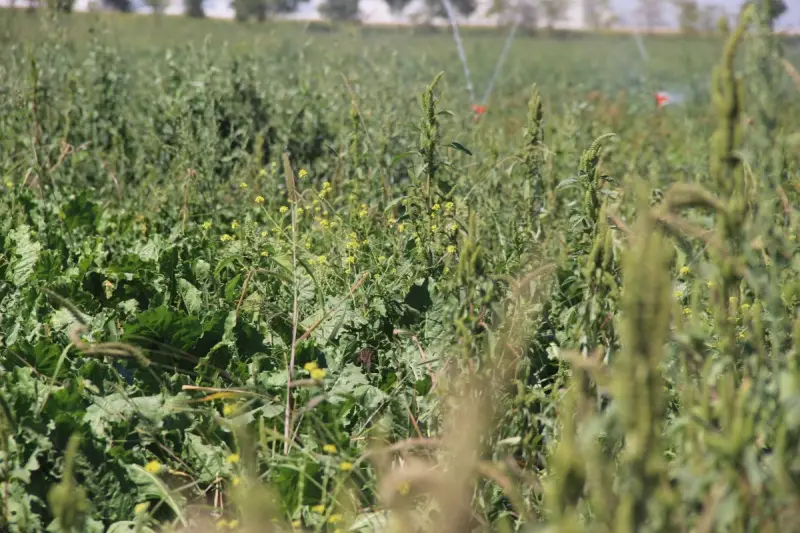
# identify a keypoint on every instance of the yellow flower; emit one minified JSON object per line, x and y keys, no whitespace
{"x":451,"y":249}
{"x":236,"y":480}
{"x":234,"y":224}
{"x":264,"y":233}
{"x":221,"y":524}
{"x":226,"y":238}
{"x":233,"y":458}
{"x":710,"y":284}
{"x":322,"y":259}
{"x":448,"y":207}
{"x":300,"y":210}
{"x":265,"y":254}
{"x":434,"y":227}
{"x":283,"y":209}
{"x":351,"y":260}
{"x":436,"y":207}
{"x":310,"y":366}
{"x":742,"y":335}
{"x":141,"y":507}
{"x":329,"y":448}
{"x":242,"y":185}
{"x":317,"y":374}
{"x":207,"y":224}
{"x":404,"y":488}
{"x":302,"y":174}
{"x":678,"y":294}
{"x":228,"y":409}
{"x":391,"y":221}
{"x":453,"y":227}
{"x":262,"y":172}
{"x":259,"y":199}
{"x":296,"y":523}
{"x":233,"y":524}
{"x":326,"y":185}
{"x":401,"y":228}
{"x":319,"y":509}
{"x":687,"y":311}
{"x":153,"y":467}
{"x":745,"y":306}
{"x":345,"y":466}
{"x":685,"y":270}
{"x":324,"y":223}
{"x":335,"y":518}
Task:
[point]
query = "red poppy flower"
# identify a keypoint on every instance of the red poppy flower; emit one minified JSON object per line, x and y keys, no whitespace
{"x":662,"y":99}
{"x":479,"y":109}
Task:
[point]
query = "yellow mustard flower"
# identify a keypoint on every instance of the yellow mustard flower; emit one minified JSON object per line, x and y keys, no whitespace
{"x":321,"y":259}
{"x":345,"y":466}
{"x":404,"y":488}
{"x":226,"y":238}
{"x":233,"y":524}
{"x":436,"y":207}
{"x":262,"y":172}
{"x":233,"y":458}
{"x":228,"y":409}
{"x":351,"y":260}
{"x":296,"y":523}
{"x":453,"y":227}
{"x":141,"y":508}
{"x":317,"y":374}
{"x":448,"y":207}
{"x":329,"y":448}
{"x":300,"y":210}
{"x":687,"y":311}
{"x":319,"y":509}
{"x":451,"y":249}
{"x":222,"y":524}
{"x":234,"y":224}
{"x":685,"y":270}
{"x":401,"y":228}
{"x":153,"y":467}
{"x":335,"y":518}
{"x":434,"y":228}
{"x":207,"y":225}
{"x":236,"y":480}
{"x":302,"y":174}
{"x":283,"y":209}
{"x":242,"y":185}
{"x":310,"y":366}
{"x":259,"y":199}
{"x":265,"y":254}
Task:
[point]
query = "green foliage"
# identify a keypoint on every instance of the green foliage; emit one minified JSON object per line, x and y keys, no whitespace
{"x":303,"y":287}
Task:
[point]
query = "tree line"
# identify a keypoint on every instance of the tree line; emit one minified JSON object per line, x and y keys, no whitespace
{"x":692,"y":17}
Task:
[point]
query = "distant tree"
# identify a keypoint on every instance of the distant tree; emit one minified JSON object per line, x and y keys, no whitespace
{"x":651,"y":13}
{"x":340,"y":10}
{"x":261,"y":10}
{"x":553,"y":11}
{"x":158,"y":6}
{"x":62,"y":6}
{"x":465,"y":8}
{"x":120,"y":5}
{"x":194,"y":8}
{"x":599,"y":14}
{"x":689,"y":15}
{"x":396,"y":7}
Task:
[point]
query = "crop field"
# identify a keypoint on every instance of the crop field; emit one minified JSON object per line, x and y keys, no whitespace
{"x":282,"y":277}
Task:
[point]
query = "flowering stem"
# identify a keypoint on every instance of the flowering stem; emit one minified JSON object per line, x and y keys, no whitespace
{"x":290,"y":187}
